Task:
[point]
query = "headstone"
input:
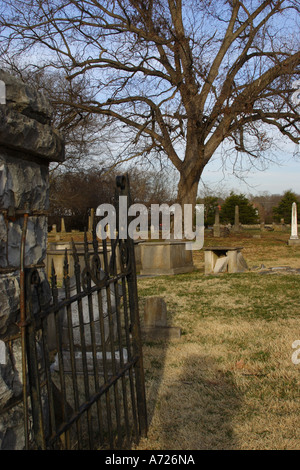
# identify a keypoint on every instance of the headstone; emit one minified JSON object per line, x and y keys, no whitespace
{"x":216,"y":228}
{"x":236,"y":227}
{"x":294,"y":227}
{"x":155,"y":312}
{"x":262,"y":226}
{"x":155,"y":321}
{"x":294,"y":239}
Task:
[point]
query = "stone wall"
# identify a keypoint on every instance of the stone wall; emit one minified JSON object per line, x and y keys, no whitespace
{"x":28,"y":143}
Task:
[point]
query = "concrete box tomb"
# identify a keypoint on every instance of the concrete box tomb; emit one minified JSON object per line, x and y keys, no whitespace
{"x":56,"y":253}
{"x":165,"y":257}
{"x":220,"y":259}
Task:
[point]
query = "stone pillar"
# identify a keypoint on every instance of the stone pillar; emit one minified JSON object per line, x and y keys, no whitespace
{"x":236,"y":227}
{"x":232,"y":261}
{"x":28,"y":144}
{"x":63,"y":227}
{"x":294,"y":239}
{"x":210,"y":259}
{"x":294,"y":223}
{"x":216,"y":228}
{"x":91,"y":220}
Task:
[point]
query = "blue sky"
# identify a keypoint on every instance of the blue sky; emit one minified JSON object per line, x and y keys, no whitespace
{"x":275,"y":180}
{"x":278,"y":175}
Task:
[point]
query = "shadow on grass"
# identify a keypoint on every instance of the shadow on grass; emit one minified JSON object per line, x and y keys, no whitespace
{"x":194,"y":408}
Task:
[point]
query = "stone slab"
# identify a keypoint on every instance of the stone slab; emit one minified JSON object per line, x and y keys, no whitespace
{"x":223,"y":248}
{"x":78,"y":358}
{"x":221,"y":265}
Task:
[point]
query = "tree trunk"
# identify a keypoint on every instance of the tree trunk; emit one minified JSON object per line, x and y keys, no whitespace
{"x":187,"y":194}
{"x":190,"y":174}
{"x":187,"y":189}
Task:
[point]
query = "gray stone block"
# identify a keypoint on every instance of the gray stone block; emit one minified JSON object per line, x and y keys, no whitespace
{"x":165,"y":257}
{"x":155,"y":312}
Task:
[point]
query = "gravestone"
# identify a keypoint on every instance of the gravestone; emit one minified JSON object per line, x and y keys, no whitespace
{"x":262,"y":227}
{"x":63,"y":227}
{"x":236,"y":227}
{"x":155,"y":320}
{"x":216,"y":227}
{"x":294,"y":239}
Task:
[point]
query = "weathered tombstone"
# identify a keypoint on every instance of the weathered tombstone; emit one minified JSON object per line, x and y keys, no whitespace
{"x":155,"y":320}
{"x":262,"y":227}
{"x":63,"y":227}
{"x":294,"y":239}
{"x":155,"y":312}
{"x":216,"y":228}
{"x":236,"y":227}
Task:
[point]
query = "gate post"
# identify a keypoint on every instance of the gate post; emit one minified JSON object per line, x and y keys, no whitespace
{"x":123,"y":186}
{"x":28,"y":143}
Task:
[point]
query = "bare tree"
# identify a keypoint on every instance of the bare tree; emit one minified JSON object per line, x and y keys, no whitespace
{"x":180,"y":77}
{"x":98,"y":187}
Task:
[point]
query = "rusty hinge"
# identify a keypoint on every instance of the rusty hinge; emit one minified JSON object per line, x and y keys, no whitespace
{"x":11,"y":214}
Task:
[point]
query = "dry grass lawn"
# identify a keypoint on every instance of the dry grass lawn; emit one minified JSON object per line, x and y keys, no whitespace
{"x":229,"y":382}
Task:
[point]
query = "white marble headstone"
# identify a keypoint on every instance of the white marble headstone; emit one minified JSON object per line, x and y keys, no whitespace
{"x":294,"y":223}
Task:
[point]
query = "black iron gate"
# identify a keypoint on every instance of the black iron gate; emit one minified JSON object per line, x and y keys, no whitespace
{"x":84,"y":357}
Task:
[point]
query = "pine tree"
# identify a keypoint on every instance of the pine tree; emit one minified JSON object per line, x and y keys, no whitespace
{"x":247,"y":213}
{"x":284,"y":208}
